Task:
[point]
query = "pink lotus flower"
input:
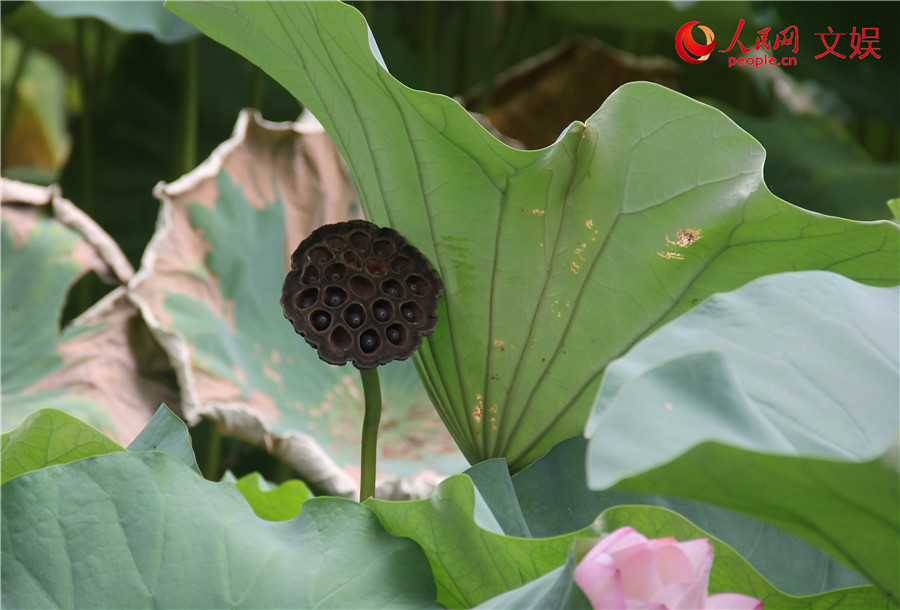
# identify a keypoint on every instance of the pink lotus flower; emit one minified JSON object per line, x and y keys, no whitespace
{"x":625,"y":570}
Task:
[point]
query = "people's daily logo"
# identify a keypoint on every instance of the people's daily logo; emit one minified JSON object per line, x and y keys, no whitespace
{"x":690,"y":50}
{"x":695,"y":43}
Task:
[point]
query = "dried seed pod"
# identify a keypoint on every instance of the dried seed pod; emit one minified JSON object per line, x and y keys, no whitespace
{"x":360,"y":293}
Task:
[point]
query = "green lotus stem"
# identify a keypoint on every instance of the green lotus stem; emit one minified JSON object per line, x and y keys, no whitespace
{"x":190,"y":106}
{"x":372,"y":391}
{"x":258,"y":88}
{"x":214,"y":454}
{"x":85,"y":73}
{"x":83,"y":67}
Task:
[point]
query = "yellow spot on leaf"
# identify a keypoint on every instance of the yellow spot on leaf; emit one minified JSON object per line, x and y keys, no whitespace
{"x":685,"y":237}
{"x":478,"y":413}
{"x":671,"y":255}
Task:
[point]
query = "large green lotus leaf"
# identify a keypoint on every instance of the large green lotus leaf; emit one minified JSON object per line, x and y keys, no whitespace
{"x":470,"y":563}
{"x":46,"y":438}
{"x":474,"y":561}
{"x":49,"y":437}
{"x":552,"y":497}
{"x":142,"y":16}
{"x":210,"y":284}
{"x":805,"y":364}
{"x":271,"y":502}
{"x":103,"y":367}
{"x":555,"y":589}
{"x":166,"y":432}
{"x":784,"y":395}
{"x":554,"y":261}
{"x":141,"y":530}
{"x":847,"y":509}
{"x":730,"y":572}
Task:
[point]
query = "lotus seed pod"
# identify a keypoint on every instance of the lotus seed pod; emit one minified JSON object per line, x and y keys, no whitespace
{"x":360,"y":293}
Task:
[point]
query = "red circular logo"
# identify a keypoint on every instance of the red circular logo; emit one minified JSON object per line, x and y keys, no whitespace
{"x":688,"y":49}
